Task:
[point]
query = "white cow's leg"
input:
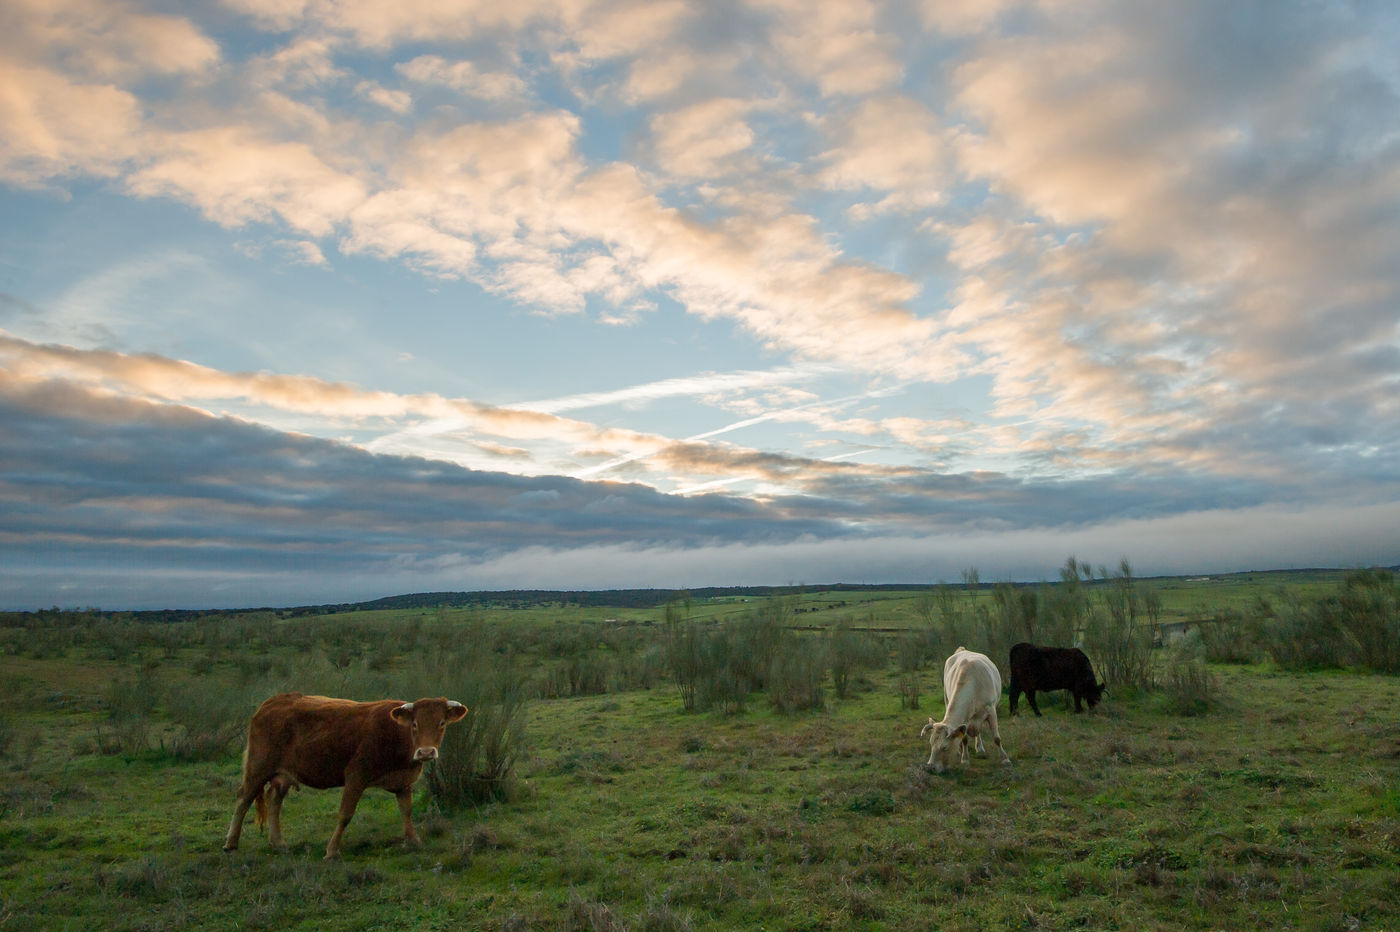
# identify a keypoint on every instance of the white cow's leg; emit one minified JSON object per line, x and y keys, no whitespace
{"x":996,"y":736}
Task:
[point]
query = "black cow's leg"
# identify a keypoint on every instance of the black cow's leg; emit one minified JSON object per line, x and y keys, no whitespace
{"x":1077,"y":707}
{"x":1015,"y":695}
{"x":1030,"y":696}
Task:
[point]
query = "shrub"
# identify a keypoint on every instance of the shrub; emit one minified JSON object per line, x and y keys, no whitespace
{"x":1188,"y":686}
{"x":1229,"y":637}
{"x":1116,"y":637}
{"x":9,"y":729}
{"x":949,"y":619}
{"x":581,"y":674}
{"x":1305,"y":637}
{"x":851,"y":651}
{"x":479,"y":753}
{"x":129,"y":704}
{"x":1369,"y":613}
{"x":207,"y":721}
{"x":684,"y":646}
{"x":796,"y":676}
{"x":909,"y":656}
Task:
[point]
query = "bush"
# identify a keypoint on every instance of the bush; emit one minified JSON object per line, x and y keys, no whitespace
{"x":1188,"y":686}
{"x":909,"y":655}
{"x":207,"y":721}
{"x":129,"y":704}
{"x":797,"y":674}
{"x":1117,"y":637}
{"x":719,"y":666}
{"x":1369,"y":613}
{"x":1229,"y":637}
{"x":479,"y":753}
{"x":849,"y":652}
{"x":1305,"y":637}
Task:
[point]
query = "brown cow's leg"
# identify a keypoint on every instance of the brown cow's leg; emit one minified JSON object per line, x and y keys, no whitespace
{"x":349,"y":799}
{"x":410,"y":835}
{"x":274,"y":812}
{"x":240,"y":809}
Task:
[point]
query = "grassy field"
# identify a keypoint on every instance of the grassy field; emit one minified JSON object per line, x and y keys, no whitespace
{"x":1278,"y":808}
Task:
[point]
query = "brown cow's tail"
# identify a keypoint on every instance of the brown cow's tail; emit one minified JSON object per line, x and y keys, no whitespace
{"x":259,"y":801}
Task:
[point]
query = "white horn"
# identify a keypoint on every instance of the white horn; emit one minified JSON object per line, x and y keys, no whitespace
{"x":453,"y":704}
{"x":406,"y":707}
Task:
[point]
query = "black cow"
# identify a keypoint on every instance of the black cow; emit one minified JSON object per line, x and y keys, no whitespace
{"x":1046,"y":669}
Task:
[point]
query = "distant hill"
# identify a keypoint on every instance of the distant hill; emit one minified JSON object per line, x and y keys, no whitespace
{"x":617,"y":598}
{"x":643,"y":598}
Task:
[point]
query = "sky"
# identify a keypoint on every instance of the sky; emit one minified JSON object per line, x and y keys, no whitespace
{"x":312,"y":301}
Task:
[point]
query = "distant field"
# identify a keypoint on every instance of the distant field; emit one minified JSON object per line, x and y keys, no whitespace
{"x":1278,"y":808}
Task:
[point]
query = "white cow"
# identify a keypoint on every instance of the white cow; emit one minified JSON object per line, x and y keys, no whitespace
{"x":971,"y":690}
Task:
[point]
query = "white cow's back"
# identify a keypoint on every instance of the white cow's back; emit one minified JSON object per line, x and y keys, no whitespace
{"x":971,"y":683}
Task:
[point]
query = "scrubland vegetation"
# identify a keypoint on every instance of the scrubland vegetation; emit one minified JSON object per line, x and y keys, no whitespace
{"x":722,"y":763}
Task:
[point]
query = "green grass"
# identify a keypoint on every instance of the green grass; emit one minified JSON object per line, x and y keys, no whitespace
{"x":1278,"y":808}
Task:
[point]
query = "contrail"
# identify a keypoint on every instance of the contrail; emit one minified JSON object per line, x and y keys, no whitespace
{"x":670,"y":388}
{"x":721,"y":483}
{"x":747,"y":422}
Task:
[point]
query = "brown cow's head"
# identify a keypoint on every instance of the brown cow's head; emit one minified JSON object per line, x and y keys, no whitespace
{"x":426,"y":720}
{"x":942,"y":741}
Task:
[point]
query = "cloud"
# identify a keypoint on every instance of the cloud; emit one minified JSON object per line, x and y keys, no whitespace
{"x":1119,"y":259}
{"x":464,"y":77}
{"x":389,"y":99}
{"x":234,"y":178}
{"x":702,"y":140}
{"x":890,"y":144}
{"x":837,"y":45}
{"x":52,"y":127}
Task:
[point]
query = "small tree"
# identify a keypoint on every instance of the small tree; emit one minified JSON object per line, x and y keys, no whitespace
{"x":685,"y":650}
{"x":1118,"y":643}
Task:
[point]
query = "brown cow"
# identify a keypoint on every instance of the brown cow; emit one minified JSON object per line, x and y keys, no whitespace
{"x":323,"y":743}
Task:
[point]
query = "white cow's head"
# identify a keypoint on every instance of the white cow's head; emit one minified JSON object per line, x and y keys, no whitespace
{"x":942,"y":743}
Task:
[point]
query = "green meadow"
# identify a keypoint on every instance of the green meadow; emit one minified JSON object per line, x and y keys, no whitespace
{"x":1262,"y":793}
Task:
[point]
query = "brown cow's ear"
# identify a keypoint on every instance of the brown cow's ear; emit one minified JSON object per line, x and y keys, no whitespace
{"x":403,"y":714}
{"x":455,"y":710}
{"x":962,"y":730}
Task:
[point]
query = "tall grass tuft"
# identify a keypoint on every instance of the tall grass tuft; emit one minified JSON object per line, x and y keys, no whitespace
{"x":130,"y":704}
{"x":207,"y":722}
{"x":479,"y":753}
{"x":1369,"y":613}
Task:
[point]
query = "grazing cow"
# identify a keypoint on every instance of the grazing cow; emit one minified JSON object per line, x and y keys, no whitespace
{"x":1049,"y":668}
{"x":296,"y":740}
{"x":971,"y":690}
